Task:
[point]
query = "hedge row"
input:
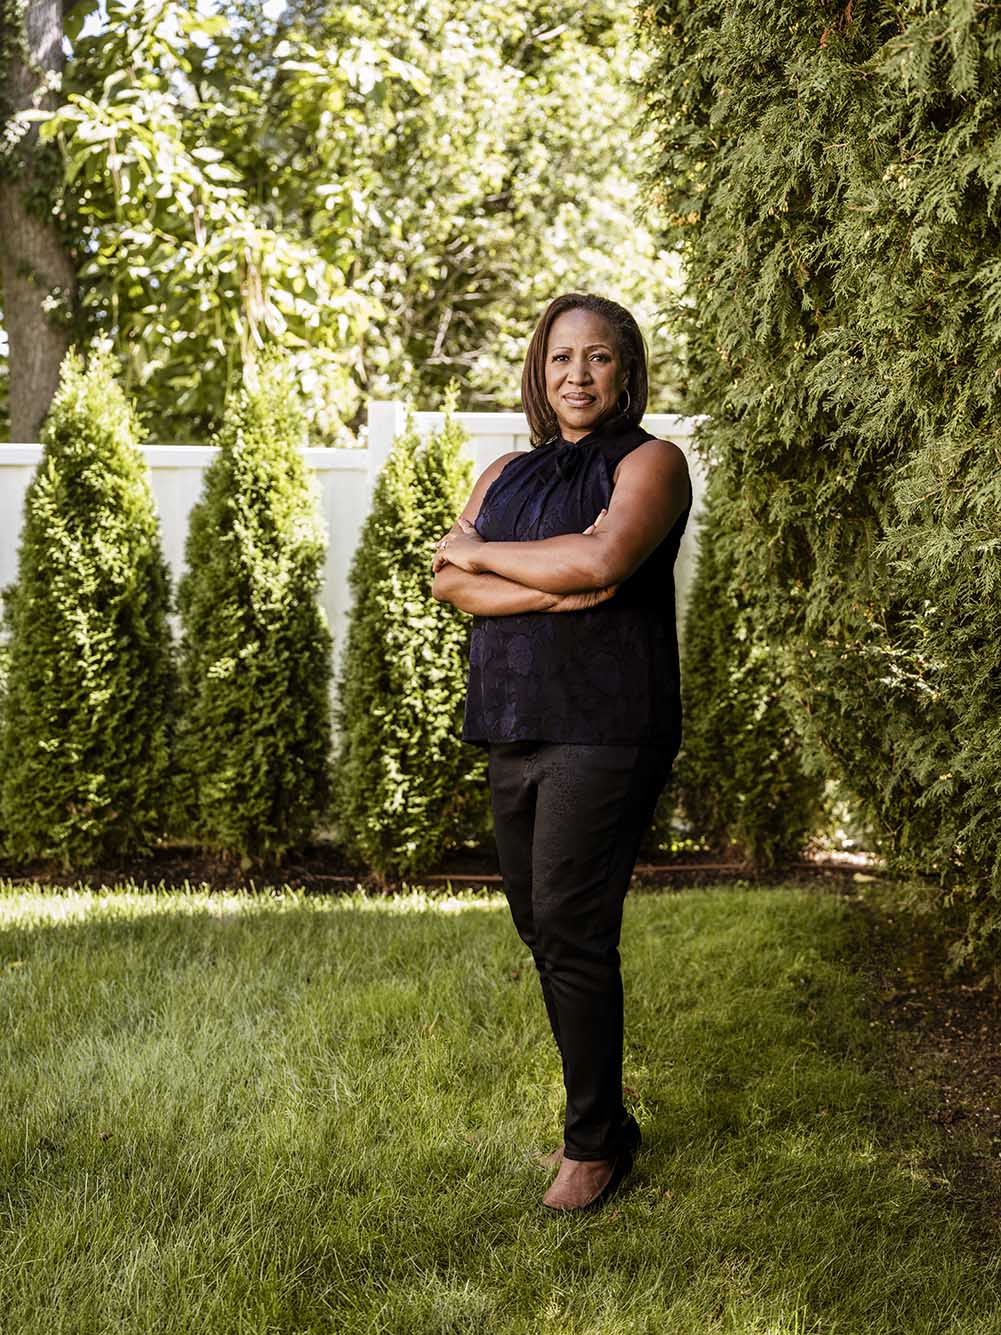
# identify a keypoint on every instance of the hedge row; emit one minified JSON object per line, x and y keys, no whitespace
{"x":833,"y":181}
{"x":112,"y":738}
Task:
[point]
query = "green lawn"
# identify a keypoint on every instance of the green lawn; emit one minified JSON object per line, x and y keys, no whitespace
{"x":288,"y":1114}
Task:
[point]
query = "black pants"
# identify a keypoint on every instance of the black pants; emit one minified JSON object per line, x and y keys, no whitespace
{"x":568,"y":821}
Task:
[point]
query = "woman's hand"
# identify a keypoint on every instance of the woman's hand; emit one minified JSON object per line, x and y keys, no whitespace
{"x":458,"y":548}
{"x":469,"y":529}
{"x":460,"y":551}
{"x":466,"y":537}
{"x":601,"y":514}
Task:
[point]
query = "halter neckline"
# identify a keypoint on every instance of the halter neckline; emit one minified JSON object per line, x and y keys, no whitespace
{"x":568,"y":452}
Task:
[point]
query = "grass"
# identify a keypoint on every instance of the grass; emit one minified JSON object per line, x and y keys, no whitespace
{"x":280,"y":1113}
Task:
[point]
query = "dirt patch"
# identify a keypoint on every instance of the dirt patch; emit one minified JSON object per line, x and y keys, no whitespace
{"x":944,"y":1044}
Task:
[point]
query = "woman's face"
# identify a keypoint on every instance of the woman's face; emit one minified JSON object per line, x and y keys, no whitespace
{"x":584,"y":374}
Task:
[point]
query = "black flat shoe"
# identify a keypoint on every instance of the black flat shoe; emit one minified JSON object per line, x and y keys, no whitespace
{"x":621,"y":1167}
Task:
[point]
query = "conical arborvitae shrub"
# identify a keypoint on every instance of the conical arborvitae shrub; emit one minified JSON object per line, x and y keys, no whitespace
{"x":407,"y":787}
{"x":253,"y":736}
{"x":86,"y":712}
{"x":739,"y":776}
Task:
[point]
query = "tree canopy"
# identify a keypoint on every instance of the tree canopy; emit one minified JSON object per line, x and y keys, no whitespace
{"x":390,"y":193}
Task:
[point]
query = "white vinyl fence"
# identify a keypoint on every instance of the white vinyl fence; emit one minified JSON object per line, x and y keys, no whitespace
{"x":344,"y":478}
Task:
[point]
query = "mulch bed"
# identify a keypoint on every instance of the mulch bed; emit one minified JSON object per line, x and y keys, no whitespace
{"x":945,"y":1042}
{"x":945,"y":1034}
{"x":322,"y":867}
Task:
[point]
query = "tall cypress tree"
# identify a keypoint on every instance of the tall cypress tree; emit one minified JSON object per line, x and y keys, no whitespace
{"x":407,"y":787}
{"x":831,"y":180}
{"x":86,"y":710}
{"x":253,"y":747}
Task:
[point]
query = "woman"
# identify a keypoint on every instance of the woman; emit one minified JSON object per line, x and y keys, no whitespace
{"x":580,"y":712}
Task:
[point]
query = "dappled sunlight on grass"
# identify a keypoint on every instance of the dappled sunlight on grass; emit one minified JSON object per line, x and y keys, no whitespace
{"x":287,"y":1111}
{"x":25,"y":906}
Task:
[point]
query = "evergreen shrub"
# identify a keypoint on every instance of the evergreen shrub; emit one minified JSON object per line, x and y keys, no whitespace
{"x":739,"y":777}
{"x":831,"y":178}
{"x":408,"y":788}
{"x":254,"y":726}
{"x":88,"y":672}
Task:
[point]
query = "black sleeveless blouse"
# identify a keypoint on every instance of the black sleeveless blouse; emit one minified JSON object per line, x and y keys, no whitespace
{"x":602,"y":675}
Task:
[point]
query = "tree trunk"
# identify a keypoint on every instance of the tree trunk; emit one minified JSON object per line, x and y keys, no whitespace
{"x":37,"y":269}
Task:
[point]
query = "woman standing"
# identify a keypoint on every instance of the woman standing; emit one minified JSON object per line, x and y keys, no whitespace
{"x":580,"y":712}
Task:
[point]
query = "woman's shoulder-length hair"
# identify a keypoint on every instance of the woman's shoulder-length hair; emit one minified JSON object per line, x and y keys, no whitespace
{"x":542,"y":423}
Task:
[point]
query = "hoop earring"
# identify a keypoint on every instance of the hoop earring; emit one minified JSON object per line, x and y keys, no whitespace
{"x":623,"y":411}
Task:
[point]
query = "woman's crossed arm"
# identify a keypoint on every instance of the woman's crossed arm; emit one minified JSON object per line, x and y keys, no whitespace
{"x":485,"y":593}
{"x":650,"y":494}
